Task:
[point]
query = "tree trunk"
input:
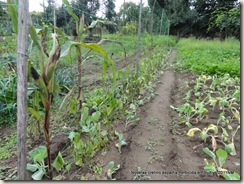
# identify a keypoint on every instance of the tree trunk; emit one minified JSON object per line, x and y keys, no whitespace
{"x":22,"y":64}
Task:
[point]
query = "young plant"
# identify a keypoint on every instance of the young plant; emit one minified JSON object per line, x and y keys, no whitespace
{"x":217,"y":166}
{"x":38,"y":156}
{"x":204,"y":134}
{"x":121,"y":140}
{"x":112,"y":169}
{"x":186,"y":113}
{"x":46,"y":82}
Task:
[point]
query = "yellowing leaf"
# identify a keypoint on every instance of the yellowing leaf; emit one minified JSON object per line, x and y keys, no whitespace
{"x":214,"y":128}
{"x":192,"y":131}
{"x":214,"y":143}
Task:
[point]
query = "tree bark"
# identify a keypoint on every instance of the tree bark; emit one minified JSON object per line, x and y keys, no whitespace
{"x":22,"y":64}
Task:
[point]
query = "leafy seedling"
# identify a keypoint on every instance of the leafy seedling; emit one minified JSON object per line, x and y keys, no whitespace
{"x":112,"y":169}
{"x":204,"y":134}
{"x":217,"y":167}
{"x":121,"y":141}
{"x":38,"y":168}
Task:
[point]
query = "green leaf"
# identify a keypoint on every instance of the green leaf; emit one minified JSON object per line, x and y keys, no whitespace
{"x":225,"y":134}
{"x":71,"y":135}
{"x":85,"y":129}
{"x":233,"y":150}
{"x":209,"y":152}
{"x":68,"y":167}
{"x":38,"y":154}
{"x":79,"y":162}
{"x":96,"y":116}
{"x":234,"y":176}
{"x":34,"y":36}
{"x":73,"y":106}
{"x":70,"y":11}
{"x":84,"y":115}
{"x":209,"y":168}
{"x":222,"y":155}
{"x":111,"y":165}
{"x":94,"y":47}
{"x":65,"y":48}
{"x":35,"y":113}
{"x":32,"y":167}
{"x":59,"y":162}
{"x":13,"y":11}
{"x":203,"y":135}
{"x":38,"y":174}
{"x":228,"y":149}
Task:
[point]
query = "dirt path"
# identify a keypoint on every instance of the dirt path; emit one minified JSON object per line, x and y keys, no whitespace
{"x":153,"y":152}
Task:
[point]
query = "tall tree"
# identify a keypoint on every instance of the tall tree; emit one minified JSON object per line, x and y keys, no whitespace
{"x":204,"y":10}
{"x":49,"y":10}
{"x":88,"y":7}
{"x":129,"y":13}
{"x":110,"y":14}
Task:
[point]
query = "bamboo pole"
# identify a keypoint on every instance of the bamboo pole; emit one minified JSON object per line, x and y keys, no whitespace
{"x":22,"y":57}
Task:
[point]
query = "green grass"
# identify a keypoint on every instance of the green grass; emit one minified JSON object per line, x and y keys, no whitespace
{"x":8,"y":146}
{"x":209,"y":57}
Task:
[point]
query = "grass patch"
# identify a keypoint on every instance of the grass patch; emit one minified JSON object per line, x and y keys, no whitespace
{"x":8,"y":150}
{"x":209,"y":57}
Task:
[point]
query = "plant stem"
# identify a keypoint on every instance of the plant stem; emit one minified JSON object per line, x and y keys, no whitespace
{"x":48,"y":143}
{"x":79,"y":98}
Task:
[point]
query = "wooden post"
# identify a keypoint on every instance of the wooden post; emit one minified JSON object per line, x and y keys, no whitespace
{"x":139,"y":41}
{"x":139,"y":34}
{"x":151,"y":19}
{"x":22,"y":57}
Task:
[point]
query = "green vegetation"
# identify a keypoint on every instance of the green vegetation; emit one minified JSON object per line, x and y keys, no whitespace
{"x":88,"y":82}
{"x":8,"y":150}
{"x":215,"y":91}
{"x":210,"y":57}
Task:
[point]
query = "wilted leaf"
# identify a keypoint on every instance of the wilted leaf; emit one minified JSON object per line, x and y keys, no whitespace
{"x":214,"y":128}
{"x":192,"y":131}
{"x":214,"y":143}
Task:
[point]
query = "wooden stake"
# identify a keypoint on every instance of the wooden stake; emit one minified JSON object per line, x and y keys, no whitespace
{"x":22,"y":64}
